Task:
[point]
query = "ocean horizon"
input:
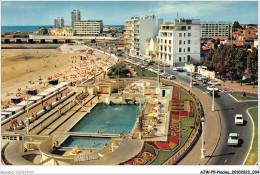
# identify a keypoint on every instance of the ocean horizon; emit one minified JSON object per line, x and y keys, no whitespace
{"x":34,"y":28}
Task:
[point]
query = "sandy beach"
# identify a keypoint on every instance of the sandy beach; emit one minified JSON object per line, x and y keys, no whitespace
{"x":22,"y":67}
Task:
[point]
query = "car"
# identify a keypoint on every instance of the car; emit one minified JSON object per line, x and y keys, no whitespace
{"x":180,"y":69}
{"x":213,"y":82}
{"x":171,"y":77}
{"x":233,"y":139}
{"x":188,"y":73}
{"x":194,"y":83}
{"x":167,"y":65}
{"x":197,"y":76}
{"x":175,"y":68}
{"x":210,"y":88}
{"x":239,"y":119}
{"x":216,"y":94}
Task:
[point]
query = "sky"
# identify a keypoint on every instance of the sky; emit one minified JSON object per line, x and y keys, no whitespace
{"x":22,"y":13}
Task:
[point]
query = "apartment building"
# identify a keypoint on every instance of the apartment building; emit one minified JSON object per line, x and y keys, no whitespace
{"x":75,"y":16}
{"x":137,"y":31}
{"x":88,"y":27}
{"x":59,"y":23}
{"x":179,"y":41}
{"x":210,"y":29}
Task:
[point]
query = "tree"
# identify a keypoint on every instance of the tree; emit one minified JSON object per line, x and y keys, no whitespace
{"x":236,"y":25}
{"x":195,"y":62}
{"x":119,"y":69}
{"x":252,"y":65}
{"x":241,"y":60}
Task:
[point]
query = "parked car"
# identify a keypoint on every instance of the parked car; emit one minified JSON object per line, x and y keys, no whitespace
{"x":175,"y":68}
{"x":197,"y":76}
{"x":188,"y":73}
{"x":213,"y":82}
{"x":239,"y":119}
{"x":194,"y":83}
{"x":210,"y":88}
{"x":233,"y":139}
{"x":216,"y":94}
{"x":180,"y":69}
{"x":172,"y":77}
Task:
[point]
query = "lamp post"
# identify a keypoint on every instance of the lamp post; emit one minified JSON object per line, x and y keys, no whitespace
{"x":190,"y":81}
{"x":27,"y":111}
{"x":202,"y":138}
{"x":213,"y":103}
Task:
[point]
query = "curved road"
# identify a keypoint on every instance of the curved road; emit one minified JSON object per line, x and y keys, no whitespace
{"x":227,"y":108}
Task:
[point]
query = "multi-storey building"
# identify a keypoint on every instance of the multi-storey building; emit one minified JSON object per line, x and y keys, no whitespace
{"x":179,"y":41}
{"x":88,"y":27}
{"x":210,"y":29}
{"x":75,"y":16}
{"x":137,"y":31}
{"x":59,"y":22}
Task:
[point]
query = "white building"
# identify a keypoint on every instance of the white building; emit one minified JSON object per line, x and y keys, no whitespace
{"x":179,"y":41}
{"x":88,"y":27}
{"x":137,"y":31}
{"x":210,"y":29}
{"x":59,"y":22}
{"x":75,"y":16}
{"x":151,"y":50}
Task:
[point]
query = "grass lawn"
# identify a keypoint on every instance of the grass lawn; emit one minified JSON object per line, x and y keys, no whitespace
{"x":252,"y":158}
{"x":242,"y":98}
{"x":142,"y":72}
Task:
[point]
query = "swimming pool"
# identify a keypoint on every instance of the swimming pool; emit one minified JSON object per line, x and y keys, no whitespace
{"x":113,"y":119}
{"x":86,"y":142}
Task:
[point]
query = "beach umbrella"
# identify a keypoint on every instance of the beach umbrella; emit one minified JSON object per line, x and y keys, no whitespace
{"x":151,"y":115}
{"x":153,"y":105}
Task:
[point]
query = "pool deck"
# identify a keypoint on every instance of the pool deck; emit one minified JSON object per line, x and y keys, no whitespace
{"x":120,"y":154}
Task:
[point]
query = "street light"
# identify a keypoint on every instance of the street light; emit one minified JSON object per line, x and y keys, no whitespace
{"x":202,"y":138}
{"x":213,"y":105}
{"x":190,"y":81}
{"x":27,"y":111}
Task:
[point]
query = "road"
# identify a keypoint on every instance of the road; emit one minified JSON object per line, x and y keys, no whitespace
{"x":227,"y":108}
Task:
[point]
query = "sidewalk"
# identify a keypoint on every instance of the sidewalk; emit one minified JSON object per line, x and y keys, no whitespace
{"x":236,"y":87}
{"x":211,"y":133}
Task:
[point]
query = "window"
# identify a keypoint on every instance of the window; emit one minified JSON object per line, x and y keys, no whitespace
{"x":161,"y":48}
{"x":188,"y":57}
{"x":189,"y":34}
{"x":170,"y":49}
{"x":165,"y":41}
{"x":188,"y":49}
{"x":179,"y":59}
{"x":165,"y":48}
{"x":179,"y":41}
{"x":188,"y":41}
{"x":183,"y":50}
{"x":184,"y":34}
{"x":161,"y":55}
{"x":189,"y":27}
{"x":183,"y":42}
{"x":179,"y":49}
{"x":180,"y":34}
{"x":161,"y":40}
{"x":170,"y":41}
{"x":183,"y":58}
{"x":169,"y":57}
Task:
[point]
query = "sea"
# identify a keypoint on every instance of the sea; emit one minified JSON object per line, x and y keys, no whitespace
{"x":34,"y":28}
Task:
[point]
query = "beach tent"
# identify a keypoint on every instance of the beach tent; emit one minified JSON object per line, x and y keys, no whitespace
{"x":24,"y":103}
{"x":5,"y":115}
{"x":44,"y":94}
{"x":53,"y":82}
{"x":33,"y":91}
{"x":35,"y":98}
{"x":14,"y":109}
{"x":16,"y":100}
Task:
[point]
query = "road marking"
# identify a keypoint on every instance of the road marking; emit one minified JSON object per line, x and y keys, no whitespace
{"x":252,"y":134}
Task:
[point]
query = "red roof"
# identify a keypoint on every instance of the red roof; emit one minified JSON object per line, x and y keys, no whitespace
{"x":239,"y":44}
{"x":205,"y":48}
{"x":219,"y":37}
{"x":122,"y":42}
{"x":120,"y":45}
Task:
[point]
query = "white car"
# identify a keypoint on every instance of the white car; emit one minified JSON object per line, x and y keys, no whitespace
{"x":197,"y":76}
{"x":239,"y":119}
{"x":212,"y":82}
{"x":171,"y":77}
{"x":210,"y":88}
{"x":233,"y":139}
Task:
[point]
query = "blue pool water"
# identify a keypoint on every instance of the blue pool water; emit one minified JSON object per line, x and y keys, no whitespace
{"x":85,"y":142}
{"x":113,"y":119}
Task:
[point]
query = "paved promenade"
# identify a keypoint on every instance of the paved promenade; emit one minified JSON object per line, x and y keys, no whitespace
{"x":212,"y":132}
{"x":237,"y":87}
